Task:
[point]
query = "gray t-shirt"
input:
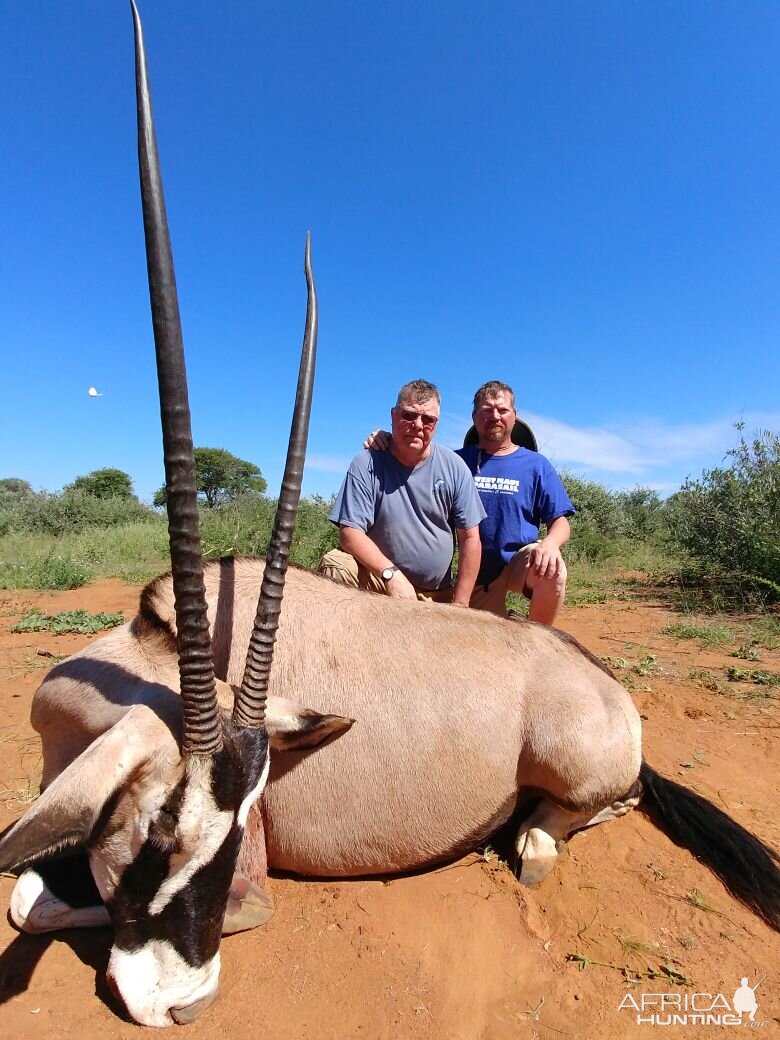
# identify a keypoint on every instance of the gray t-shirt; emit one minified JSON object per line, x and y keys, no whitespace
{"x":410,"y":512}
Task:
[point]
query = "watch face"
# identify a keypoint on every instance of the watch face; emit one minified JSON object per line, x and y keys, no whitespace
{"x":387,"y":573}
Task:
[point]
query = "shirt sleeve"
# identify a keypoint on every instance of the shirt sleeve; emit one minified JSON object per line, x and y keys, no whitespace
{"x":354,"y":505}
{"x":553,"y":500}
{"x":467,"y":508}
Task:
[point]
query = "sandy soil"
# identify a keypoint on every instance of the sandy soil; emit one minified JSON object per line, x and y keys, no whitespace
{"x":462,"y":952}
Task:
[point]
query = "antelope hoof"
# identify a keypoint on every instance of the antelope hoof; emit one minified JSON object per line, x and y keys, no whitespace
{"x":536,"y":856}
{"x":248,"y":907}
{"x":35,"y":909}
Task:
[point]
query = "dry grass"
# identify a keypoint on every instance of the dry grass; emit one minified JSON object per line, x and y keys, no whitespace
{"x":20,"y":664}
{"x":21,"y":790}
{"x":642,"y":948}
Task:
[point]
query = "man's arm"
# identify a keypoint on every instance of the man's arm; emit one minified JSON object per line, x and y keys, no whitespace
{"x":546,"y":558}
{"x":358,"y":544}
{"x":469,"y":558}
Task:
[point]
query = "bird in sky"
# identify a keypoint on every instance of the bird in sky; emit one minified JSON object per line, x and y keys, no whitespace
{"x":93,"y":392}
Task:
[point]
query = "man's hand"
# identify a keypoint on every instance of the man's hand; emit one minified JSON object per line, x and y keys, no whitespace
{"x":546,"y":560}
{"x":379,"y":440}
{"x":399,"y":587}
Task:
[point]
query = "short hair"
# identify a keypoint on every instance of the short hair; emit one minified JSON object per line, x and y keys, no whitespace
{"x":418,"y":391}
{"x":490,"y":389}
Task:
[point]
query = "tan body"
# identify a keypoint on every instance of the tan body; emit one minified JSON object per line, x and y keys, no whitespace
{"x":457,"y":714}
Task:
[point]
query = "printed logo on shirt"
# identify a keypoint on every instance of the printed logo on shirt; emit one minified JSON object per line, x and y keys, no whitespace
{"x":497,"y":485}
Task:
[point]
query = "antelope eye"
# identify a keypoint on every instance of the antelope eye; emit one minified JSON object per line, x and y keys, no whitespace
{"x":163,"y":828}
{"x":167,"y":818}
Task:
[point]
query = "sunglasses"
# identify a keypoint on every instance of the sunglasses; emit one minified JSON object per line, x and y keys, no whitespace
{"x":410,"y":417}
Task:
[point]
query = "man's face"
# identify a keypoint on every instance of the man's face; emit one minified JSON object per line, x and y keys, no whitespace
{"x":414,"y":423}
{"x":494,"y":419}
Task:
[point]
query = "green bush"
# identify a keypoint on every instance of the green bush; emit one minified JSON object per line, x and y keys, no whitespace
{"x":104,"y":483}
{"x":243,"y":528}
{"x":124,"y":547}
{"x":612,"y":524}
{"x":728,"y":520}
{"x":79,"y":621}
{"x":51,"y":571}
{"x":641,"y":513}
{"x":12,"y":491}
{"x":314,"y":533}
{"x":238,"y":528}
{"x":597,"y":508}
{"x":58,"y":514}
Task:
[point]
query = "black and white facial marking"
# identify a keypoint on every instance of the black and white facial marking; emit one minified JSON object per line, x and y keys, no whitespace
{"x":167,"y":901}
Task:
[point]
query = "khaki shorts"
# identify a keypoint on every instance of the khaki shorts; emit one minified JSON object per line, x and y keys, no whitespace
{"x":343,"y":567}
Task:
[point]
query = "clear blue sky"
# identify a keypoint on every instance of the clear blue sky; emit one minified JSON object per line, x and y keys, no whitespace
{"x":578,"y":198}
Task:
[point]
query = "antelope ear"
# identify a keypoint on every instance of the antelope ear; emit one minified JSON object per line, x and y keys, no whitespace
{"x":293,"y":728}
{"x":68,"y":810}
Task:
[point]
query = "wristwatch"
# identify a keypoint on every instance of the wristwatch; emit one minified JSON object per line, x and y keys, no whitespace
{"x":388,"y":572}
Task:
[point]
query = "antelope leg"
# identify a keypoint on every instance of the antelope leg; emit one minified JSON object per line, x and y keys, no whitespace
{"x":35,"y":908}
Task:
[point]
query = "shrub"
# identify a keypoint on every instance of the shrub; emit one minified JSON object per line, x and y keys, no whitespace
{"x":597,"y":508}
{"x":104,"y":483}
{"x":729,"y":519}
{"x":641,"y":514}
{"x":243,"y":527}
{"x":80,"y":621}
{"x":58,"y":514}
{"x":15,"y":487}
{"x":62,"y":572}
{"x":314,"y":533}
{"x":51,"y":571}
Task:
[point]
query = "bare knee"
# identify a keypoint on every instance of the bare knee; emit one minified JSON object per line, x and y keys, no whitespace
{"x":547,"y":595}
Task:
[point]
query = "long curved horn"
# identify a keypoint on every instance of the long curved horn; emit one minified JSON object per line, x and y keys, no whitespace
{"x":202,"y":725}
{"x":249,"y":707}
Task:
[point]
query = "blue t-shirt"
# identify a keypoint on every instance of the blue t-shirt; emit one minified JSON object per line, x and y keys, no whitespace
{"x":410,"y":512}
{"x":519,"y":492}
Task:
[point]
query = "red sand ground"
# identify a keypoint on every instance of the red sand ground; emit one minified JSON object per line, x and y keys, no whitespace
{"x":463,"y":952}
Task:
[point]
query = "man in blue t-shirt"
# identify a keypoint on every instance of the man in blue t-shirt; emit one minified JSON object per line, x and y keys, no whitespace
{"x":397,"y":509}
{"x":520,"y":490}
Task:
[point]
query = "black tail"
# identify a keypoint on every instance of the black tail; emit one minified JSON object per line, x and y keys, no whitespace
{"x":748,"y":868}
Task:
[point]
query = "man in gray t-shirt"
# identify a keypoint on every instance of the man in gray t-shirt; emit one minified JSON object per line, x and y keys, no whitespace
{"x":396,"y":511}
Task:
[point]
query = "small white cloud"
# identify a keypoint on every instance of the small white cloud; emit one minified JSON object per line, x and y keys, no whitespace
{"x":93,"y":392}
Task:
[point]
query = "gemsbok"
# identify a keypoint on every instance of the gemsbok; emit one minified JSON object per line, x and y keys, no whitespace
{"x":156,"y":737}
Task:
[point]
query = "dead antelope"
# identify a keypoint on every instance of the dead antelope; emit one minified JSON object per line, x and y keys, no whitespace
{"x":465,"y":722}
